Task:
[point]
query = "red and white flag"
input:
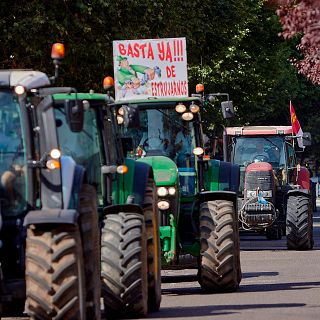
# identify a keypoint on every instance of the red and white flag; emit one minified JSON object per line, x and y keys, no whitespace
{"x":296,"y":128}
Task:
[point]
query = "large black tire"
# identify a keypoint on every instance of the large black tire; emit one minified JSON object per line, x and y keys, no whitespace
{"x":219,"y":263}
{"x":151,"y":215}
{"x":90,"y":234}
{"x":299,"y":223}
{"x":124,"y":265}
{"x":55,"y":285}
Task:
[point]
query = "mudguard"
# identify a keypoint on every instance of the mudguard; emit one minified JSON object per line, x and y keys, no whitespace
{"x":298,"y":192}
{"x":128,"y":208}
{"x":219,"y":195}
{"x":48,"y":216}
{"x":303,"y":179}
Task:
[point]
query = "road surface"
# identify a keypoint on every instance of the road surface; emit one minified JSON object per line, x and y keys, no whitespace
{"x":277,"y":284}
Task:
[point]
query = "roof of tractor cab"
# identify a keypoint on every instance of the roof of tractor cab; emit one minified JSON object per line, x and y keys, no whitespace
{"x":28,"y":78}
{"x":81,"y":96}
{"x":95,"y":99}
{"x":259,"y":130}
{"x":159,"y":100}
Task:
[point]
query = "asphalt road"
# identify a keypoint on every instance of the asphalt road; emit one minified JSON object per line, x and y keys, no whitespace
{"x":277,"y":284}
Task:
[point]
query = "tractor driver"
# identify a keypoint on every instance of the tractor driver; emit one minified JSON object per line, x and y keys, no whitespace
{"x":260,"y":155}
{"x":183,"y":147}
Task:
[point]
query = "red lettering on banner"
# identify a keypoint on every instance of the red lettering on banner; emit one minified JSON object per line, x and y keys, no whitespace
{"x":150,"y":52}
{"x":143,"y":46}
{"x":136,"y":50}
{"x":168,"y":53}
{"x":130,"y":51}
{"x":160,"y":46}
{"x":122,"y":49}
{"x":171,"y":72}
{"x":169,"y":88}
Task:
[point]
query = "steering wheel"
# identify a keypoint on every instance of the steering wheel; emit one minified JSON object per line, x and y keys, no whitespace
{"x":260,"y":158}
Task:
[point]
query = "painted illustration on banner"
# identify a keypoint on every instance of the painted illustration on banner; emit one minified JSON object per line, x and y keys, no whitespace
{"x":150,"y":68}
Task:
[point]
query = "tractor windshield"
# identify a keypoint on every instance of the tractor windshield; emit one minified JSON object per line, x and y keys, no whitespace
{"x":258,"y":149}
{"x":163,"y":132}
{"x":13,"y":186}
{"x":83,"y":147}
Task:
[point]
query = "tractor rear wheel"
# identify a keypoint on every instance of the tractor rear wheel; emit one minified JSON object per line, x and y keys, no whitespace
{"x":90,"y":234}
{"x":124,"y":265}
{"x":299,"y":223}
{"x":151,"y":214}
{"x":55,"y":285}
{"x":219,"y":265}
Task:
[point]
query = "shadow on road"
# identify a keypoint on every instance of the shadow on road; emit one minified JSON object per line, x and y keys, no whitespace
{"x":263,"y":287}
{"x":267,"y":287}
{"x":214,"y":310}
{"x":259,"y":274}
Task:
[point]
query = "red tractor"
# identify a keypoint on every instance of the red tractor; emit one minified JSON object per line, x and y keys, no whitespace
{"x":275,"y":193}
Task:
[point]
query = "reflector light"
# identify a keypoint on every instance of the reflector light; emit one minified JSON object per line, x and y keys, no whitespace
{"x":57,"y":51}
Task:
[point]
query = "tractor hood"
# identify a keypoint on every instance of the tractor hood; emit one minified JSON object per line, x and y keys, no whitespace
{"x":165,"y":170}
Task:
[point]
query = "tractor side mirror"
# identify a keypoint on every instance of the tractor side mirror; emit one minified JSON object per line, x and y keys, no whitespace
{"x":74,"y":114}
{"x":131,"y":118}
{"x":306,"y":139}
{"x":227,"y":109}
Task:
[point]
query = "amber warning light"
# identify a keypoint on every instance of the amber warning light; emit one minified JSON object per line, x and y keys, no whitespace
{"x":108,"y":83}
{"x":199,"y":88}
{"x":57,"y":51}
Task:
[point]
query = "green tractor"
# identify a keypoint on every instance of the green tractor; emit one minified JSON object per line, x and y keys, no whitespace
{"x":127,"y":206}
{"x":197,"y":197}
{"x":49,"y":221}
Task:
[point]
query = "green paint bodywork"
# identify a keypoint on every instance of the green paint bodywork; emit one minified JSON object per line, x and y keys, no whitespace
{"x":166,"y":175}
{"x":165,"y":170}
{"x":122,"y":184}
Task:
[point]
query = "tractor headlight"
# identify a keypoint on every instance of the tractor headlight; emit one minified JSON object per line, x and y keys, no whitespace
{"x":163,"y":205}
{"x":162,"y":191}
{"x":172,"y":191}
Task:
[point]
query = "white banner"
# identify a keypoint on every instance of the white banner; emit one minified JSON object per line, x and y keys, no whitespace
{"x":150,"y":68}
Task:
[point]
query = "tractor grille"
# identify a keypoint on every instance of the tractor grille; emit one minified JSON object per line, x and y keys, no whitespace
{"x":263,"y":180}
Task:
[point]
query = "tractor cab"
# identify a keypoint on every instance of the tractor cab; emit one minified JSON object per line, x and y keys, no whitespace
{"x":168,"y":129}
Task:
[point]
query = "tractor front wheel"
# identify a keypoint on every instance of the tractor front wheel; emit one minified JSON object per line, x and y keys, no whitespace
{"x":55,"y":285}
{"x":151,"y":214}
{"x":124,"y":265}
{"x":219,"y":263}
{"x":90,"y":234}
{"x":299,"y":223}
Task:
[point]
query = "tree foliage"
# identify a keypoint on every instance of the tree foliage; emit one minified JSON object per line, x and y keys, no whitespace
{"x":233,"y":46}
